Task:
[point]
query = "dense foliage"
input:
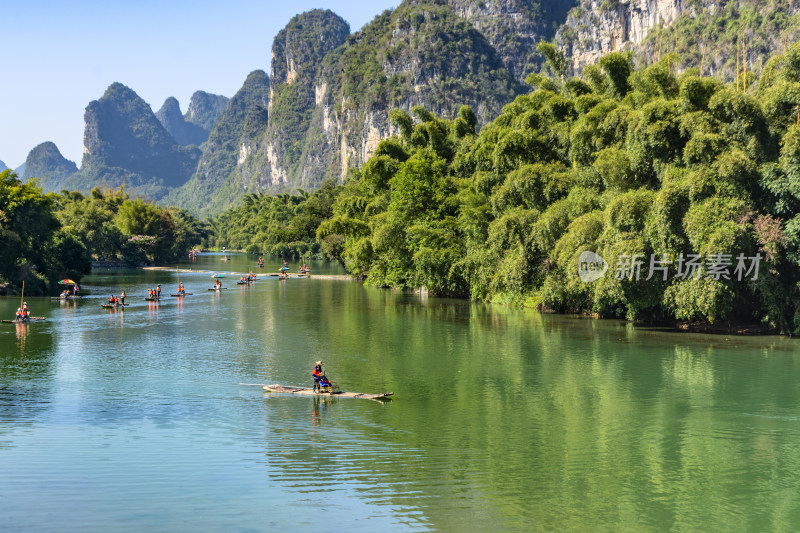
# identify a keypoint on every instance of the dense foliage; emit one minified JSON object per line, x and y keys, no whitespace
{"x":33,"y":246}
{"x":112,"y":225}
{"x":46,"y":237}
{"x":635,"y":165}
{"x":284,"y":225}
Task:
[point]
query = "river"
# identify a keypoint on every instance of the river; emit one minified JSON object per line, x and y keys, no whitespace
{"x":501,"y":419}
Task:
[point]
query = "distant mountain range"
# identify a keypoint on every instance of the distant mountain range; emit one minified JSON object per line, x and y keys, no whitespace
{"x":324,"y":107}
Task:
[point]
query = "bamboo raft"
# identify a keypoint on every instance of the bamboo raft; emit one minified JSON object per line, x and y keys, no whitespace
{"x":26,"y":321}
{"x":181,"y":295}
{"x":220,"y":289}
{"x":112,"y":306}
{"x":311,"y":392}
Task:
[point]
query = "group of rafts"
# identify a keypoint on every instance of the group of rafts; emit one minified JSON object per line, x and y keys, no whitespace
{"x":323,"y":387}
{"x":153,"y":295}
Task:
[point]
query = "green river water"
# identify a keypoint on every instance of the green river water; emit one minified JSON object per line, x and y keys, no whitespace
{"x":501,"y":419}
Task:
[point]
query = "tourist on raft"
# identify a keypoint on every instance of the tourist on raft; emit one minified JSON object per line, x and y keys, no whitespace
{"x":317,"y":375}
{"x":321,"y":381}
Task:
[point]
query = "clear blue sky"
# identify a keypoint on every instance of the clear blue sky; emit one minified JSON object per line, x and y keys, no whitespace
{"x":58,"y":56}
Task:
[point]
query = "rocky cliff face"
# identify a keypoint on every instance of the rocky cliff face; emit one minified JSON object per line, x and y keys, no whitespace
{"x":329,"y":104}
{"x":598,"y":27}
{"x":124,"y":143}
{"x":218,"y":180}
{"x":205,"y":108}
{"x":185,"y":133}
{"x":46,"y":163}
{"x":419,"y":54}
{"x":514,"y":27}
{"x":298,"y":52}
{"x":694,"y":33}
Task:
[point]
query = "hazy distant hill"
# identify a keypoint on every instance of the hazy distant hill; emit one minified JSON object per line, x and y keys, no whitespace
{"x":183,"y":132}
{"x":124,"y":143}
{"x":46,"y":163}
{"x":2,"y":166}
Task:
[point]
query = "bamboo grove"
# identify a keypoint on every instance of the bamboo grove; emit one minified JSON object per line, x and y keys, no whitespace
{"x":648,"y":164}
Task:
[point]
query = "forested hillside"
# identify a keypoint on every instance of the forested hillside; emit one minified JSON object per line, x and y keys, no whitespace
{"x":682,"y":181}
{"x":125,"y":144}
{"x":325,"y":106}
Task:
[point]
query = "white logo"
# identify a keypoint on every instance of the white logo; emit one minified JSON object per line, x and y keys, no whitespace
{"x":591,"y":267}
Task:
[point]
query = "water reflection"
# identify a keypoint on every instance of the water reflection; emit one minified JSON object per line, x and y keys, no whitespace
{"x":116,"y":316}
{"x":502,"y":420}
{"x":334,"y":458}
{"x":152,"y":311}
{"x":320,"y":406}
{"x":22,"y":332}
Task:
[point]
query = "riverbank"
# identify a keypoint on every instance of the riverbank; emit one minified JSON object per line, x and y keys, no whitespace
{"x":232,"y":274}
{"x":726,"y":328}
{"x":718,"y":328}
{"x":116,"y":264}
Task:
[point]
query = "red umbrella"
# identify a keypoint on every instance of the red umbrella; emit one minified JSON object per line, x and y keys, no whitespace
{"x":66,"y":282}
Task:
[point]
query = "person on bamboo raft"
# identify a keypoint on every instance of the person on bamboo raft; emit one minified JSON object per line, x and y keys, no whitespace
{"x":321,"y":381}
{"x":317,"y":375}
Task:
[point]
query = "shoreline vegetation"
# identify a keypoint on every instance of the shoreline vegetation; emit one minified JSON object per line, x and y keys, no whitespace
{"x":623,"y":163}
{"x":48,"y":237}
{"x":626,"y":164}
